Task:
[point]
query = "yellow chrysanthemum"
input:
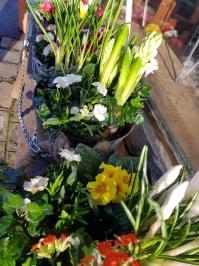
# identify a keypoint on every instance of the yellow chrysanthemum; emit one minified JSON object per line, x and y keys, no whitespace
{"x":103,"y":189}
{"x":152,"y":27}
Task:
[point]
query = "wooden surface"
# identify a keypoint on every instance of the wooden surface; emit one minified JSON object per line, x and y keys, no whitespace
{"x":178,"y":104}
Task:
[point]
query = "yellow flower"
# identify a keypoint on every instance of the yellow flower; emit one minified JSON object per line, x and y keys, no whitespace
{"x":83,"y":9}
{"x":121,"y":186}
{"x":109,"y":170}
{"x":152,"y":27}
{"x":103,"y":189}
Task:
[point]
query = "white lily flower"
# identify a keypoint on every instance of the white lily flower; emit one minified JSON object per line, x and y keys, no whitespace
{"x":177,"y":251}
{"x":166,"y":179}
{"x":39,"y":37}
{"x":70,"y":155}
{"x":50,"y":35}
{"x":36,"y":184}
{"x":194,"y":210}
{"x":193,"y":186}
{"x":100,"y":88}
{"x":100,"y":112}
{"x":47,"y":50}
{"x":74,"y":110}
{"x":171,"y":202}
{"x":66,"y":81}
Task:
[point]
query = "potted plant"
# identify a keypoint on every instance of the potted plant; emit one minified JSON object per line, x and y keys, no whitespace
{"x":89,"y":211}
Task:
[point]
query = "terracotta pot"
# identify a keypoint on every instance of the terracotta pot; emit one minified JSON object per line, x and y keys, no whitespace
{"x":22,"y":15}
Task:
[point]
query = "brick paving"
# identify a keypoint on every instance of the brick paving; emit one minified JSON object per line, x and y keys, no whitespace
{"x":10,"y":59}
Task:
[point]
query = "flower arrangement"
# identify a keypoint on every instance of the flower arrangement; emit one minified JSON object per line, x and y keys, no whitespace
{"x":95,"y":85}
{"x":90,"y":211}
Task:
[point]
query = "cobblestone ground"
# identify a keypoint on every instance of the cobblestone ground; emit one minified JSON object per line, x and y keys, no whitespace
{"x":10,"y":59}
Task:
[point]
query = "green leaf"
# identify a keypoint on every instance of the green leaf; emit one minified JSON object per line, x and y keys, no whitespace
{"x":33,"y":230}
{"x":7,"y":261}
{"x":90,"y":161}
{"x":37,"y":212}
{"x":6,"y":223}
{"x":129,"y":163}
{"x":11,"y":202}
{"x":89,"y":70}
{"x":54,"y":121}
{"x":72,"y":177}
{"x":150,"y":242}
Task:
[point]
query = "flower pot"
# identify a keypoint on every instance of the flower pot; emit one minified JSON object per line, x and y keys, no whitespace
{"x":22,"y":15}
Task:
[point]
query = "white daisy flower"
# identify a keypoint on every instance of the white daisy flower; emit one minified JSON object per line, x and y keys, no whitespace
{"x":70,"y":155}
{"x":47,"y":50}
{"x":50,"y":35}
{"x":100,"y":112}
{"x":39,"y":37}
{"x":66,"y":81}
{"x":100,"y":88}
{"x":151,"y":67}
{"x":36,"y":184}
{"x":74,"y":110}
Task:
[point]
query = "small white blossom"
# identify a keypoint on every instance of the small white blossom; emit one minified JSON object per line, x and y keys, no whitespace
{"x":50,"y":35}
{"x":25,"y":203}
{"x":171,"y":33}
{"x":66,"y":81}
{"x":36,"y":184}
{"x":47,"y":50}
{"x":39,"y":38}
{"x":70,"y":155}
{"x":100,"y":112}
{"x":74,"y":110}
{"x":100,"y":88}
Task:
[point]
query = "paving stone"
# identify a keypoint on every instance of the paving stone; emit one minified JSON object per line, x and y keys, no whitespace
{"x":8,"y":71}
{"x":2,"y":149}
{"x":10,"y":43}
{"x":5,"y":92}
{"x":3,"y":126}
{"x":10,"y":56}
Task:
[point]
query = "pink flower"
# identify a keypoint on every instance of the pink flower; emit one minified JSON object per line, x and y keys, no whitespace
{"x":100,"y":12}
{"x":47,"y":7}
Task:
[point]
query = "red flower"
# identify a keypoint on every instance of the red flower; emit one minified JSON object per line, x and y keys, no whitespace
{"x":136,"y":263}
{"x":47,"y":7}
{"x":85,"y":2}
{"x":166,"y":27}
{"x":49,"y":239}
{"x":86,"y":260}
{"x":35,"y":246}
{"x":115,"y":258}
{"x":124,"y":240}
{"x":100,"y":12}
{"x":105,"y":247}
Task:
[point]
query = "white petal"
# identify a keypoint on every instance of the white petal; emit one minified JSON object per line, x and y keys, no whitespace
{"x":70,"y":155}
{"x":193,"y":186}
{"x":166,"y":180}
{"x":47,"y":50}
{"x":100,"y":88}
{"x":100,"y":112}
{"x":74,"y":110}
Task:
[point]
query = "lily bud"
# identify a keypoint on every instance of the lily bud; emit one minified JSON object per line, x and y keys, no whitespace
{"x":193,"y":186}
{"x":166,"y":180}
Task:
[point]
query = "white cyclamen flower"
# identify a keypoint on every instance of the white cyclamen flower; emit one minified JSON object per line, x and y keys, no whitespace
{"x":171,"y":202}
{"x":74,"y":110}
{"x":100,"y":88}
{"x":47,"y":50}
{"x":36,"y":184}
{"x":66,"y":81}
{"x":193,"y":186}
{"x":100,"y":112}
{"x":39,"y":37}
{"x":70,"y":155}
{"x":25,"y":204}
{"x":166,"y":180}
